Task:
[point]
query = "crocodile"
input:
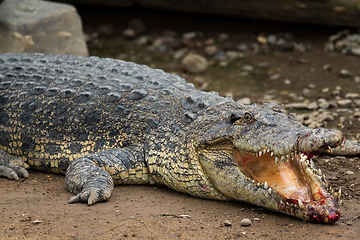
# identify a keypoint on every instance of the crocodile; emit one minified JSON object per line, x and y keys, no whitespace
{"x":103,"y":122}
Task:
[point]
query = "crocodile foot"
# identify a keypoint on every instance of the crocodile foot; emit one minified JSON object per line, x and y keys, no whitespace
{"x":88,"y":181}
{"x":12,"y":167}
{"x":91,"y":195}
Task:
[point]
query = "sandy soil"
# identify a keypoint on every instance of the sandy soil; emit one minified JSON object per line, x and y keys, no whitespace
{"x":36,"y":208}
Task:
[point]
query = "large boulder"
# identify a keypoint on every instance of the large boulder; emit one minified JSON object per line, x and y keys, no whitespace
{"x":334,"y":12}
{"x":38,"y":26}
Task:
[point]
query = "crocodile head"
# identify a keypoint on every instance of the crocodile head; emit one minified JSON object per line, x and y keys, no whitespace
{"x":262,"y":155}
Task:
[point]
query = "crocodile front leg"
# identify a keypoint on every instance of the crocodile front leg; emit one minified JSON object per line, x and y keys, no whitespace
{"x":12,"y":167}
{"x":92,"y":176}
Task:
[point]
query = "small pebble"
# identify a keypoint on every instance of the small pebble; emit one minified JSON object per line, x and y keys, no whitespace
{"x":245,"y":222}
{"x":357,"y":79}
{"x":349,"y":172}
{"x":247,"y":68}
{"x":261,"y":39}
{"x":344,"y":103}
{"x":227,"y":223}
{"x":287,"y":81}
{"x":246,"y":101}
{"x":327,"y":67}
{"x":345,"y":73}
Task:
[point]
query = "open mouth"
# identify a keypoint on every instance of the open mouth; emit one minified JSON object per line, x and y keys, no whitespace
{"x":301,"y":187}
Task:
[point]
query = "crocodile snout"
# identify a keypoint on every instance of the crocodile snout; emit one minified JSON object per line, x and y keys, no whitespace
{"x":320,"y":139}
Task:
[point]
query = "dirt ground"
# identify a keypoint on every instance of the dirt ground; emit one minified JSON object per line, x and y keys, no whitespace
{"x":36,"y":208}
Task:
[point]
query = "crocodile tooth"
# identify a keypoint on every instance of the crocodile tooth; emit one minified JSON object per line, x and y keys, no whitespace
{"x":287,"y":158}
{"x":266,"y":185}
{"x":282,"y":159}
{"x":339,"y":194}
{"x":260,"y":152}
{"x":258,"y":184}
{"x":264,"y":151}
{"x":301,"y":205}
{"x":326,"y":213}
{"x":268,"y":150}
{"x":276,"y":160}
{"x":319,"y":172}
{"x":287,"y":204}
{"x":336,"y":196}
{"x":272,"y":154}
{"x":270,"y":190}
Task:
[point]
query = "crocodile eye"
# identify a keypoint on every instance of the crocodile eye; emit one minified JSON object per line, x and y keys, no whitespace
{"x":248,"y":117}
{"x":241,"y":119}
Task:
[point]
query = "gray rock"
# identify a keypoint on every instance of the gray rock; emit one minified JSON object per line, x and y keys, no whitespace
{"x":227,"y":223}
{"x":357,"y":79}
{"x":275,"y":76}
{"x":271,"y":39}
{"x":327,"y":67}
{"x":223,"y":37}
{"x":325,"y":116}
{"x":245,"y":101}
{"x":280,"y":42}
{"x":352,"y":95}
{"x":312,"y":106}
{"x":261,"y":39}
{"x":300,"y":47}
{"x":211,"y":50}
{"x":325,"y":90}
{"x":194,"y":63}
{"x":357,"y":103}
{"x":247,"y":67}
{"x":243,"y":47}
{"x":40,"y":26}
{"x":329,"y":47}
{"x":263,"y":64}
{"x":315,"y":124}
{"x":129,"y":33}
{"x":311,"y":86}
{"x":345,"y":73}
{"x":344,"y":103}
{"x":245,"y":222}
{"x":287,"y":81}
{"x":180,"y":53}
{"x":357,"y":114}
{"x":355,"y":51}
{"x":189,"y":35}
{"x":233,"y":55}
{"x":220,"y":55}
{"x":323,"y":104}
{"x":306,"y":92}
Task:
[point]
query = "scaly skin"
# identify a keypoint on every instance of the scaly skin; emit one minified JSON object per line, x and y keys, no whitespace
{"x":104,"y":122}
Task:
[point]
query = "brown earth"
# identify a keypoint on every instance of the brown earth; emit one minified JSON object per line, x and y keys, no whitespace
{"x":36,"y":208}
